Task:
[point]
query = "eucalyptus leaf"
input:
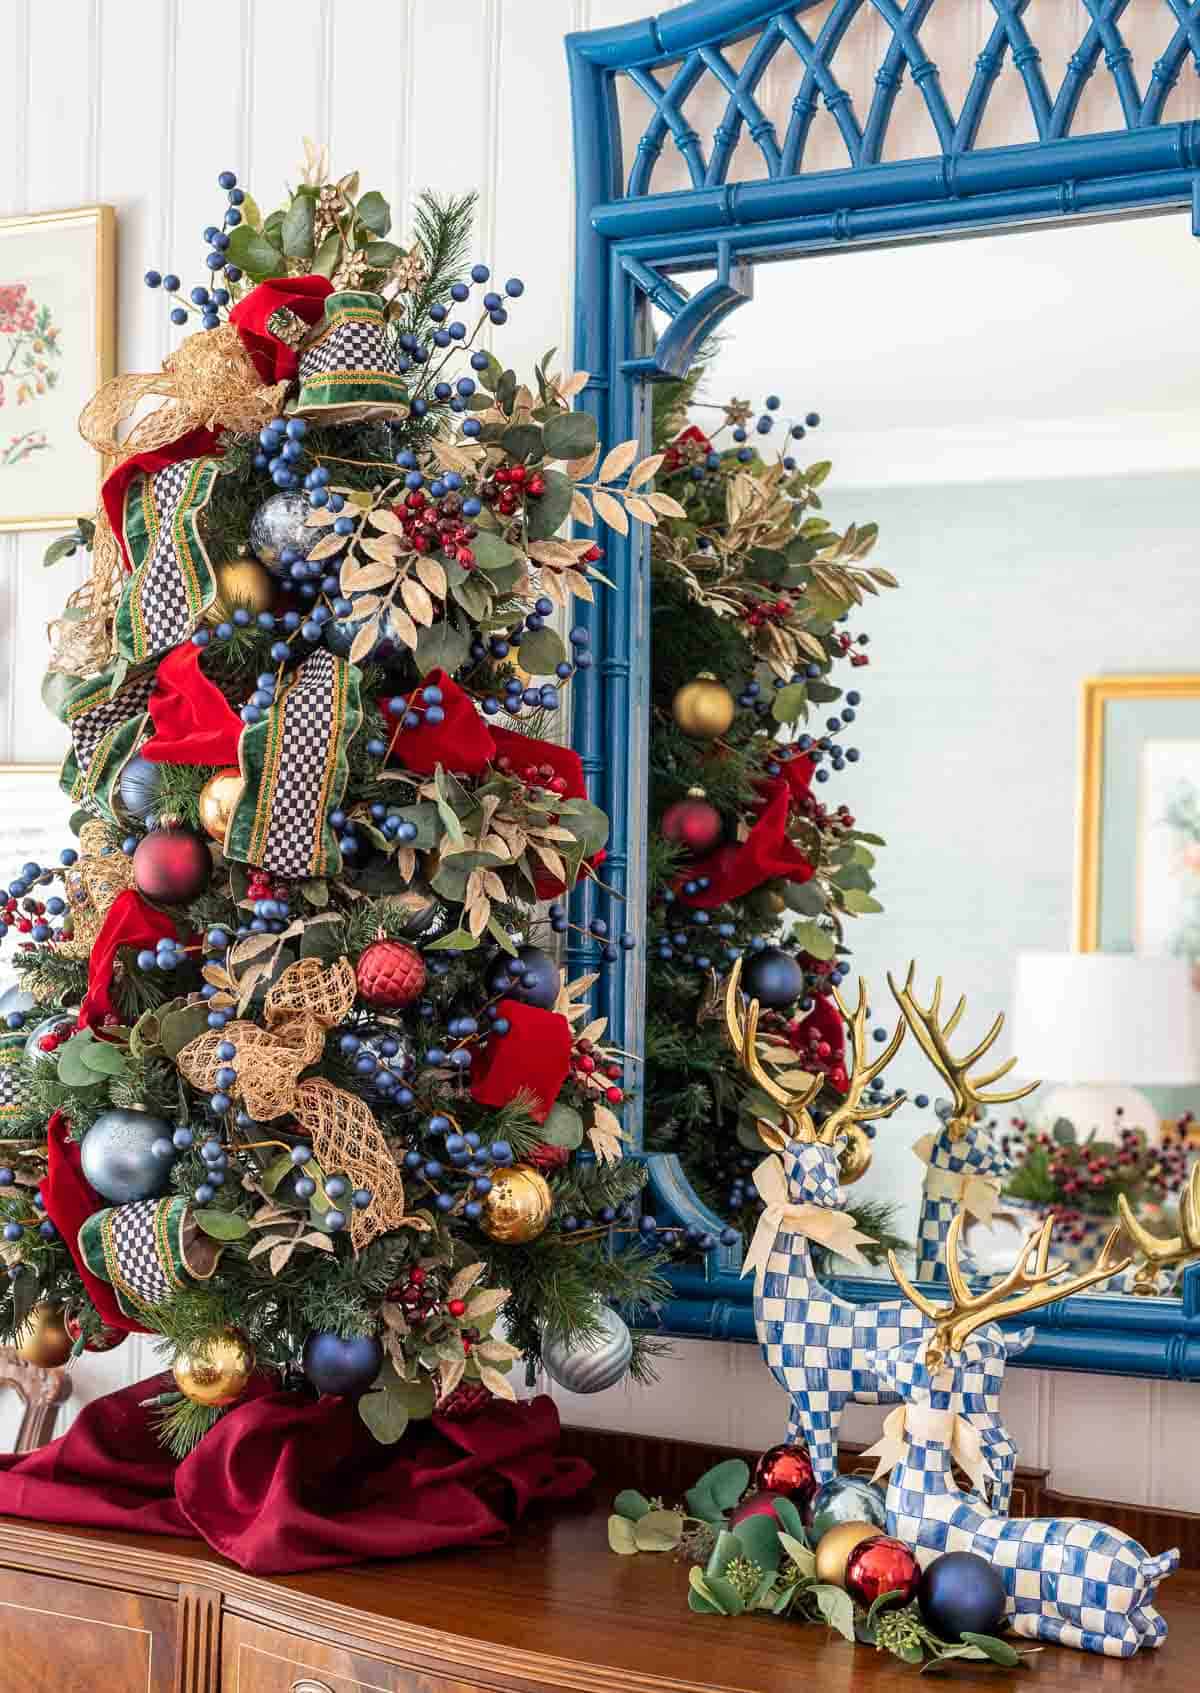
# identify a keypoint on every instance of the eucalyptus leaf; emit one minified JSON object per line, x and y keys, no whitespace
{"x":374,"y":211}
{"x":816,"y":941}
{"x":622,"y":1536}
{"x":385,"y":1414}
{"x":382,"y":255}
{"x":441,"y":646}
{"x":700,"y":1598}
{"x":790,"y":703}
{"x":862,"y":904}
{"x":296,"y":230}
{"x":999,"y":1651}
{"x":807,"y":899}
{"x":796,"y":1549}
{"x":541,"y":650}
{"x":72,"y":1071}
{"x":222,"y":1225}
{"x":326,"y":941}
{"x":658,"y":1531}
{"x":491,"y":553}
{"x":563,"y":1127}
{"x":759,"y":1538}
{"x":60,"y":549}
{"x":727,"y":1482}
{"x":546,"y":514}
{"x":253,"y":253}
{"x":103,"y":1059}
{"x":570,"y":435}
{"x":325,"y":260}
{"x":458,"y":940}
{"x":587,"y":823}
{"x":632,"y":1504}
{"x":725,"y":1595}
{"x":837,"y":1607}
{"x":522,"y":441}
{"x":179,"y":1027}
{"x":274,"y":1173}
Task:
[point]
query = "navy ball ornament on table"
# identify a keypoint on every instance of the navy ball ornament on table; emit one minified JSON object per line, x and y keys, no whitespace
{"x":962,"y":1593}
{"x":279,"y":524}
{"x":343,"y":1366}
{"x":591,"y":1366}
{"x":845,"y":1499}
{"x":532,"y":976}
{"x":118,"y":1157}
{"x":138,"y":787}
{"x":772,"y":977}
{"x":171,"y":866}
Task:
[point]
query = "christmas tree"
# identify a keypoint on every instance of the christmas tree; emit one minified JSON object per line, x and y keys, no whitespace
{"x":292,"y":1078}
{"x":753,"y":592}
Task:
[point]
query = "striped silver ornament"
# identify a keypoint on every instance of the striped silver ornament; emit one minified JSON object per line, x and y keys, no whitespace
{"x":591,"y":1367}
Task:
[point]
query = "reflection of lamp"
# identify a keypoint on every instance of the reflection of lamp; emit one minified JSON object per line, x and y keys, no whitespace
{"x":1105,"y":1023}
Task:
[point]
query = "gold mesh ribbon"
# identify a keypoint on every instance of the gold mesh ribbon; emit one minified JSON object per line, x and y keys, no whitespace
{"x":99,"y":874}
{"x":307,"y":1000}
{"x":209,"y":381}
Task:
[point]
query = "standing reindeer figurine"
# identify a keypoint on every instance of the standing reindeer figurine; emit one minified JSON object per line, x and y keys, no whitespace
{"x":1069,"y":1580}
{"x":822,"y":1349}
{"x":965,"y":1165}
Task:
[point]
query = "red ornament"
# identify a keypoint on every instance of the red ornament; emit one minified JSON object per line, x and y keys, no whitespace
{"x":882,"y":1565}
{"x":754,"y":1505}
{"x":102,"y":1342}
{"x":171,"y":866}
{"x":546,"y":1158}
{"x":692,"y":823}
{"x":390,"y":973}
{"x":787,"y":1469}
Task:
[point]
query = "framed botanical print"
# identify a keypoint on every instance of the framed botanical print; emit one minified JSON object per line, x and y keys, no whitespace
{"x":57,"y":345}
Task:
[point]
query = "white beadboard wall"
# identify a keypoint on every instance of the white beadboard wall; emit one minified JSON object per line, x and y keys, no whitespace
{"x":140,"y":106}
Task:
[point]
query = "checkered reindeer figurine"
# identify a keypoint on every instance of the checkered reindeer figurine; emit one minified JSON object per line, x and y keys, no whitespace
{"x":821,"y":1349}
{"x":1069,"y":1580}
{"x":965,"y":1166}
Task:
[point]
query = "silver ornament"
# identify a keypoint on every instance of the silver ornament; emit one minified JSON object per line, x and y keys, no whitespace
{"x":400,"y":1064}
{"x":139,"y":785}
{"x":278,"y":523}
{"x":57,"y":1022}
{"x":590,"y":1368}
{"x":845,"y":1499}
{"x":16,"y":999}
{"x":118,"y":1157}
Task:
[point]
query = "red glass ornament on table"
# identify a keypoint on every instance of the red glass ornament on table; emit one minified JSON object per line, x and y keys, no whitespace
{"x":786,"y":1469}
{"x":882,"y":1565}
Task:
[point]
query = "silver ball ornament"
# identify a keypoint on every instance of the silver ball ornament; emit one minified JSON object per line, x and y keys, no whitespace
{"x":138,"y":786}
{"x":59,"y":1022}
{"x":118,"y":1158}
{"x":590,"y":1368}
{"x":281,"y":522}
{"x":16,"y":999}
{"x":845,"y":1499}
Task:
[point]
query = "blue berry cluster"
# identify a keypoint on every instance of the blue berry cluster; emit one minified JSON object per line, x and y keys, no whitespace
{"x":207,"y":303}
{"x":281,"y":451}
{"x":463,"y":1176}
{"x":168,"y":955}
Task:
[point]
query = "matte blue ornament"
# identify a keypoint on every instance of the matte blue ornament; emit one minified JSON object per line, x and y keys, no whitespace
{"x":139,"y":785}
{"x":533,"y":977}
{"x":335,"y":1365}
{"x":773,"y":978}
{"x":961,"y":1593}
{"x":845,"y":1499}
{"x":118,"y":1157}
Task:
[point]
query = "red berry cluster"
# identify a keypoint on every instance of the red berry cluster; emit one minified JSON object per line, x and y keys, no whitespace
{"x":1090,"y":1174}
{"x":262,"y":886}
{"x":845,"y":642}
{"x":592,"y":1070}
{"x":20,"y":914}
{"x":832,"y":821}
{"x":433,"y":526}
{"x":533,"y":775}
{"x":773,"y":611}
{"x":510,"y":485}
{"x":415,"y":1294}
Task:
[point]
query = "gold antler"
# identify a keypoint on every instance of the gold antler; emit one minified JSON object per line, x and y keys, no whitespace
{"x":1158,"y":1253}
{"x":1024,"y":1288}
{"x":845,"y":1118}
{"x":934,"y":1038}
{"x":743,"y":1037}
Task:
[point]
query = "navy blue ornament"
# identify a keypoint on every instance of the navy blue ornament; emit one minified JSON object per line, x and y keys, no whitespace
{"x":772,"y":977}
{"x":532,"y":977}
{"x":335,"y":1365}
{"x":961,"y":1593}
{"x":139,"y":784}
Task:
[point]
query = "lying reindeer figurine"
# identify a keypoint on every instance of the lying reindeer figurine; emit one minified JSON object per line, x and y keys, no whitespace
{"x":1069,"y":1580}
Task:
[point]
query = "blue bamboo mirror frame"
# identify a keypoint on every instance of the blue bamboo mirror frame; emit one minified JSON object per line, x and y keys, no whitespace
{"x":629,"y":242}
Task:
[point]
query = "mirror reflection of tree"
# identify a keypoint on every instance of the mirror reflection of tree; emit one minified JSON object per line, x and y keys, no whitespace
{"x":758,"y":654}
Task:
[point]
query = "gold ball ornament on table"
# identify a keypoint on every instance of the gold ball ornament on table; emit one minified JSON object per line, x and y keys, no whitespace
{"x":44,"y":1339}
{"x":218,"y":797}
{"x":219,"y":1374}
{"x":240,"y":582}
{"x":835,"y":1546}
{"x":703,"y":709}
{"x":518,"y":1207}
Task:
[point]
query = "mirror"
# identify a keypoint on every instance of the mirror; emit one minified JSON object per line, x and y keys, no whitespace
{"x":1019,"y":414}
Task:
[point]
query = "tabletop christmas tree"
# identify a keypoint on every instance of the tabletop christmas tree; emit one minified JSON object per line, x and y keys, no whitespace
{"x":292,"y":1079}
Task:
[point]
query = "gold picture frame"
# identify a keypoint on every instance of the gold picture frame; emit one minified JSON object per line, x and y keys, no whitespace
{"x":95,"y":230}
{"x":1099,"y":694}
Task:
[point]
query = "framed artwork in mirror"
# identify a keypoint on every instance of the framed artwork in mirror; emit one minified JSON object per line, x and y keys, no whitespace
{"x":34,"y":826}
{"x":57,"y":346}
{"x":722,"y":136}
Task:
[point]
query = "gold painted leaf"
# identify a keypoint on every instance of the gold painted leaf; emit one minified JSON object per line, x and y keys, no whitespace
{"x":368,"y":604}
{"x":605,"y":1135}
{"x":574,"y":384}
{"x":403,"y":626}
{"x":433,"y":575}
{"x":581,"y":508}
{"x":385,"y":549}
{"x":280,"y":1255}
{"x":355,"y":578}
{"x":496,"y":1383}
{"x":418,"y":601}
{"x":645,"y":470}
{"x":577,"y":468}
{"x":327,"y":548}
{"x":642,"y":509}
{"x":665,"y":504}
{"x":364,"y":641}
{"x":465,"y":1280}
{"x":320,"y":518}
{"x":611,"y":511}
{"x":618,"y":461}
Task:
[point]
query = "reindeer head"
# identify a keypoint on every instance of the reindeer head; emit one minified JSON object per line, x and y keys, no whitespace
{"x":818,"y":1160}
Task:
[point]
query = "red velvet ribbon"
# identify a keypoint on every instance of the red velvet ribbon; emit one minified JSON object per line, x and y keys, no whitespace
{"x":273,"y":359}
{"x":286,"y":1483}
{"x":196,"y":444}
{"x":193,"y":721}
{"x":674,"y":457}
{"x":130,"y":922}
{"x":535,"y":1055}
{"x":70,"y":1201}
{"x":734,"y":871}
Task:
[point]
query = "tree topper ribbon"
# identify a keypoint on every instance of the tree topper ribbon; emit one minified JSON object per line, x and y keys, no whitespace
{"x":304,"y":1003}
{"x":832,"y":1229}
{"x":922,"y":1423}
{"x":976,"y":1194}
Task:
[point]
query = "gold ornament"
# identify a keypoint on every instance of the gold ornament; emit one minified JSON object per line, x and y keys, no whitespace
{"x":240,"y":582}
{"x":518,"y":1207}
{"x":854,"y":1160}
{"x":767,"y":901}
{"x":835,"y":1546}
{"x":219,"y":1374}
{"x":218,"y":797}
{"x":704,"y":708}
{"x":44,"y":1339}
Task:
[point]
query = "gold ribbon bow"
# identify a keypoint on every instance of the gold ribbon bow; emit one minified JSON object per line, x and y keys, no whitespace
{"x":209,"y":380}
{"x":304,"y":1003}
{"x":976,"y":1194}
{"x":922,"y":1422}
{"x":834,"y":1229}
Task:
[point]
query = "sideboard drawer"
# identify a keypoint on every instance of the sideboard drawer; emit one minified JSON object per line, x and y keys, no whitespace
{"x":257,"y":1659}
{"x":63,"y":1636}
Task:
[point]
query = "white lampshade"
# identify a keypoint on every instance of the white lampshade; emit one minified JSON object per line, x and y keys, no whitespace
{"x":1106,"y":1017}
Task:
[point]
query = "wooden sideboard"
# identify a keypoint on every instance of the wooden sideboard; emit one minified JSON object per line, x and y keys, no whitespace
{"x":83,"y":1611}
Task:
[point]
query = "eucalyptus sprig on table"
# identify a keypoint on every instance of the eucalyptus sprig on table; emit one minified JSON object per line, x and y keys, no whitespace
{"x":765,"y":1563}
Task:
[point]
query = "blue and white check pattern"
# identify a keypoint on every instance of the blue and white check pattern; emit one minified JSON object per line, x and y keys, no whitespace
{"x":1068,"y":1580}
{"x":976,"y":1153}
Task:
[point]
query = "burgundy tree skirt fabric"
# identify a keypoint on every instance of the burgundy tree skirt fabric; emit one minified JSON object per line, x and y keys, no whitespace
{"x":287,"y":1483}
